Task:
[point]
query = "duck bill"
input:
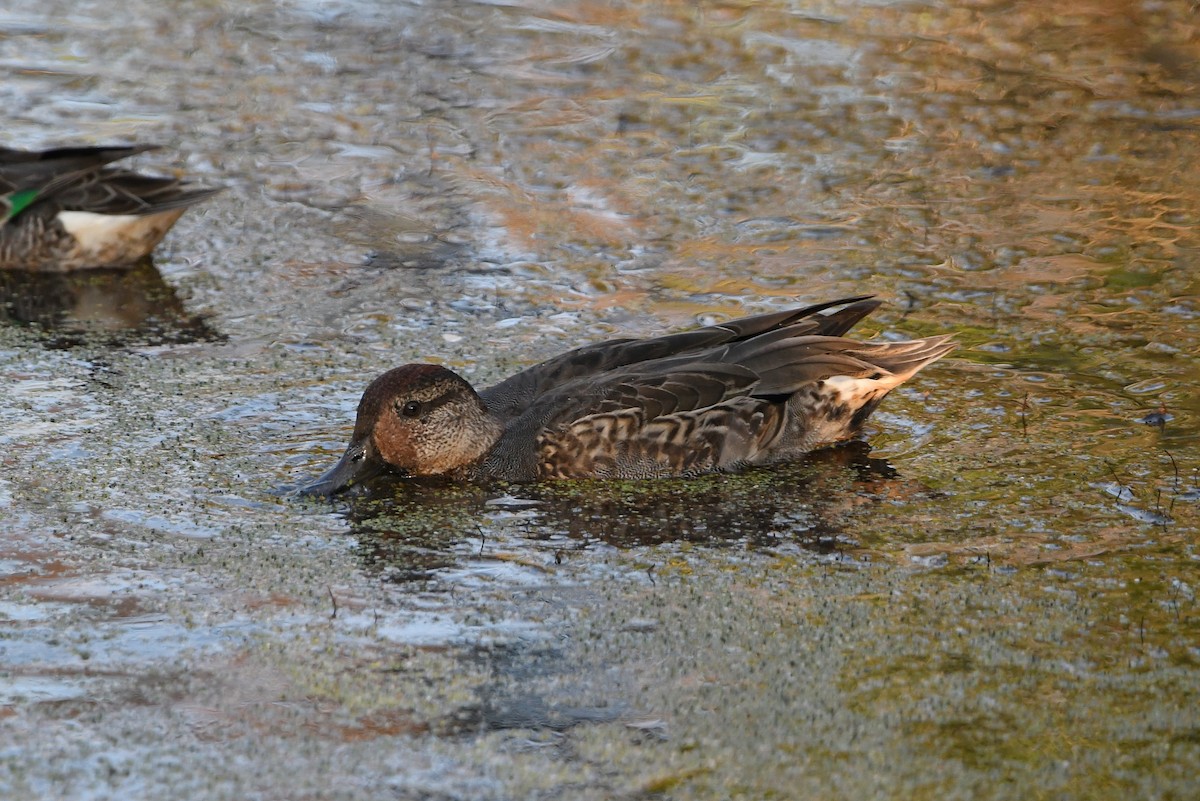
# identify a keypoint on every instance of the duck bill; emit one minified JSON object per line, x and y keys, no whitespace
{"x":355,"y":467}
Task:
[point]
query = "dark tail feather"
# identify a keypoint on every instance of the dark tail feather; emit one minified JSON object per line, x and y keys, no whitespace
{"x":841,"y":321}
{"x":904,"y":359}
{"x":744,"y":327}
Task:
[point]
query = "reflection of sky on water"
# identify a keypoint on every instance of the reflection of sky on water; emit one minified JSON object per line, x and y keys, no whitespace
{"x":488,"y":184}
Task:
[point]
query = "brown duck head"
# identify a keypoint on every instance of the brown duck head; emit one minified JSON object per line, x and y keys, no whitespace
{"x":418,"y":420}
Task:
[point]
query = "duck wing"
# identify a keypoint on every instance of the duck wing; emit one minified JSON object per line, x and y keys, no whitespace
{"x":786,"y":360}
{"x":643,"y":420}
{"x":767,"y":397}
{"x":25,"y":169}
{"x":78,"y":179}
{"x":512,"y":397}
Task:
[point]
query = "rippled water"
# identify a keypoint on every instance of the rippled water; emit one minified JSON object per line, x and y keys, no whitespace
{"x":996,"y":598}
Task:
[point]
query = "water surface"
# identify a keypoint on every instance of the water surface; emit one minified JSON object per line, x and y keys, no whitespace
{"x":996,"y":599}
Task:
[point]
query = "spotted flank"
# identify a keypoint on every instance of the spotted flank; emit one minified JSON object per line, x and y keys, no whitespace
{"x":752,"y":391}
{"x":69,"y":209}
{"x":628,"y":444}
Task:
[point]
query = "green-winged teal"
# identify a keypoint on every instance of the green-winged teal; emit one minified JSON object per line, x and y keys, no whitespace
{"x":750,"y":391}
{"x":67,"y":209}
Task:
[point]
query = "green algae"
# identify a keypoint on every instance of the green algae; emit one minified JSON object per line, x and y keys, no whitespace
{"x":1123,"y":279}
{"x":974,"y":699}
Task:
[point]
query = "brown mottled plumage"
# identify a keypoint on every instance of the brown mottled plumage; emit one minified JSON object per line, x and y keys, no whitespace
{"x":750,"y":391}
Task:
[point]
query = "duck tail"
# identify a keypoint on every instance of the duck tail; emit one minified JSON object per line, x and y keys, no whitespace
{"x":905,"y":359}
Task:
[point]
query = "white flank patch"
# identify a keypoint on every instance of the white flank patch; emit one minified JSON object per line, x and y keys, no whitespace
{"x":87,"y":227}
{"x":849,"y":388}
{"x":107,"y":235}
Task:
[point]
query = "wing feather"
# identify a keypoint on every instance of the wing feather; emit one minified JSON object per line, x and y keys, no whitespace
{"x":510,"y":398}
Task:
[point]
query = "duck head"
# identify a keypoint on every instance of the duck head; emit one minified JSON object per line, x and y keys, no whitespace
{"x":417,"y":420}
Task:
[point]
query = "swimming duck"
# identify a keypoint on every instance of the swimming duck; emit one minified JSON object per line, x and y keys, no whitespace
{"x":66,"y":209}
{"x":750,"y":391}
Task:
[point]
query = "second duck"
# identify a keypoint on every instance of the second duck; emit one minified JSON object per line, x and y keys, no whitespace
{"x":69,"y":209}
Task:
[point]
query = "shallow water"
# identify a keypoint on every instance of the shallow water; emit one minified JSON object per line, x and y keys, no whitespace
{"x":997,"y":599}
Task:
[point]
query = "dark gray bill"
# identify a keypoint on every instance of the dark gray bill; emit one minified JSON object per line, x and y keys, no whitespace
{"x":355,"y":466}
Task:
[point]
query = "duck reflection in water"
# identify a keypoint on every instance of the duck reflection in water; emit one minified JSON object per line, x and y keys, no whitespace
{"x":410,"y":530}
{"x":114,"y":305}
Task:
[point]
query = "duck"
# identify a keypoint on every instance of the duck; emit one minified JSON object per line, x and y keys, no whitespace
{"x":751,"y":391}
{"x":69,"y":209}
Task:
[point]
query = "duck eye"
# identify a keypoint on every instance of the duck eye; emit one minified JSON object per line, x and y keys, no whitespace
{"x":410,"y":409}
